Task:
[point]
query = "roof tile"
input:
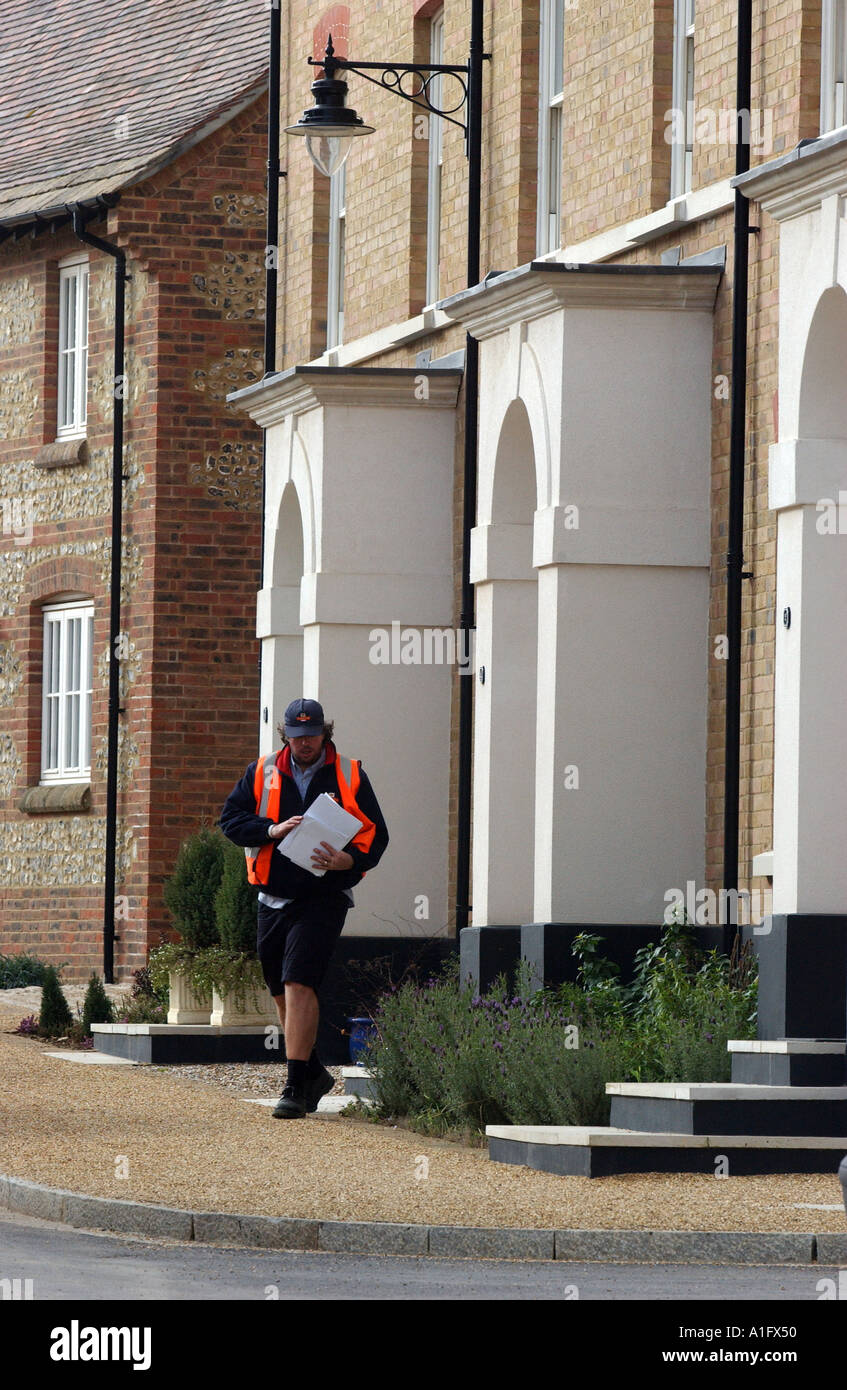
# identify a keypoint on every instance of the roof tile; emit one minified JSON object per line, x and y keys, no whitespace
{"x":96,"y":95}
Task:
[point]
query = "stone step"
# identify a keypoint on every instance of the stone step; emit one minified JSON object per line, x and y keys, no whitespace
{"x":728,"y":1108}
{"x":357,"y":1082}
{"x":188,"y":1042}
{"x":584,"y":1151}
{"x":789,"y":1061}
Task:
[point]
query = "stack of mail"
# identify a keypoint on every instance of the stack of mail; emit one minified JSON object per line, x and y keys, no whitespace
{"x":324,"y":820}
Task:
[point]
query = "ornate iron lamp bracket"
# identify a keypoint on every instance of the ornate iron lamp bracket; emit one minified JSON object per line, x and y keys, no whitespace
{"x":393,"y":75}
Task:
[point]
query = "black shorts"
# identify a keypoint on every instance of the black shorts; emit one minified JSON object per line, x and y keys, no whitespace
{"x":295,"y":943}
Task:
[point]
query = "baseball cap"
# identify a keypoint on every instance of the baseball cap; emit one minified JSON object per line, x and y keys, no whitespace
{"x":303,"y":717}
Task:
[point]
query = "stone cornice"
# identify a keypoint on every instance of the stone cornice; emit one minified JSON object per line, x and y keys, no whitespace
{"x":543,"y":287}
{"x":800,"y":180}
{"x":303,"y":388}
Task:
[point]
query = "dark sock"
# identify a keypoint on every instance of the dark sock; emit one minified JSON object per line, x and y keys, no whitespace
{"x":314,"y":1066}
{"x":297,"y":1072}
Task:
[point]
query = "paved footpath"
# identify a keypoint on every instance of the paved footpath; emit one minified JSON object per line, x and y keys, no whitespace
{"x":137,"y":1149}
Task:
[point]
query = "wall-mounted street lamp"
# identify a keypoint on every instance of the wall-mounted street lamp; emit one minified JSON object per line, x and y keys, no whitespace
{"x":330,"y":127}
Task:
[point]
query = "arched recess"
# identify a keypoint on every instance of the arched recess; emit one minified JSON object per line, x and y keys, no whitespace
{"x":823,"y":384}
{"x":282,"y":641}
{"x":505,"y":705}
{"x":516,"y":393}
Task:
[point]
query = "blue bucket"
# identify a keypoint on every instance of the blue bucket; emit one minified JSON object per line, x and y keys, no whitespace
{"x":362,"y":1032}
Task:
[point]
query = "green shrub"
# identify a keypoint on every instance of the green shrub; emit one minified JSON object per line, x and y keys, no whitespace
{"x":145,"y":1003}
{"x":144,"y":988}
{"x":450,"y":1059}
{"x":235,"y":903}
{"x":97,"y":1007}
{"x":55,"y":1017}
{"x":473,"y":1060}
{"x":192,"y":887}
{"x":144,"y":1007}
{"x":16,"y":972}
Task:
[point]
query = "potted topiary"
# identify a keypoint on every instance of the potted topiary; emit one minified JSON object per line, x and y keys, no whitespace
{"x":190,"y":899}
{"x":239,"y":993}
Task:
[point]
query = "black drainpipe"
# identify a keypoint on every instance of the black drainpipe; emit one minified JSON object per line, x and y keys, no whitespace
{"x":467,"y":618}
{"x":735,"y":572}
{"x":271,"y":258}
{"x":121,"y":277}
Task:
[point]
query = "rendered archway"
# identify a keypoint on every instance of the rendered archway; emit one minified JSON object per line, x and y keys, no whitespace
{"x":282,"y":648}
{"x":505,"y":706}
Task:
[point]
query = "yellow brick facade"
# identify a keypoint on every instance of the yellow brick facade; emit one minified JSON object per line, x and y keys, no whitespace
{"x":618,"y":84}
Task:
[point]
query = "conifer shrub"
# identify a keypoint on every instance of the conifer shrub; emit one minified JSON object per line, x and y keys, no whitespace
{"x":97,"y":1007}
{"x":190,"y":891}
{"x":235,"y":903}
{"x":55,"y":1017}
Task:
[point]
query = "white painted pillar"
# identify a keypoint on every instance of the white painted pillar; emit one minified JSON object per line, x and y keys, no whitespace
{"x":810,"y":718}
{"x":396,"y":719}
{"x":371,"y":456}
{"x":620,"y":795}
{"x":504,"y":724}
{"x":278,"y":629}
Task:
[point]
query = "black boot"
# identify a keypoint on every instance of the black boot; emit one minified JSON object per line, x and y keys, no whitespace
{"x":291,"y":1104}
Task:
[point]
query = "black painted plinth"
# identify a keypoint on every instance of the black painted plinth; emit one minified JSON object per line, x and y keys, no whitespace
{"x":189,"y":1048}
{"x":547,"y":946}
{"x":789,"y":1069}
{"x":486,"y":952}
{"x":587,"y":1161}
{"x":364,"y":967}
{"x":663,"y":1115}
{"x":802,"y":976}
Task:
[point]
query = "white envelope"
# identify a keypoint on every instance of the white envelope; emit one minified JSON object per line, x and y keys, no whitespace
{"x":324,"y":820}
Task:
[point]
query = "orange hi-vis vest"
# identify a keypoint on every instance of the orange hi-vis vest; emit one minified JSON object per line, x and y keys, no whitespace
{"x":267,"y":787}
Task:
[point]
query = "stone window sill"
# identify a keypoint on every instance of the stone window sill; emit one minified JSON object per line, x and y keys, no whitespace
{"x":56,"y":797}
{"x":63,"y":454}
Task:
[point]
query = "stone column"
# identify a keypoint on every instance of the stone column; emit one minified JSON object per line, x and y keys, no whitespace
{"x":278,"y":629}
{"x":505,"y":723}
{"x":367,"y":627}
{"x":621,"y":715}
{"x":810,"y":725}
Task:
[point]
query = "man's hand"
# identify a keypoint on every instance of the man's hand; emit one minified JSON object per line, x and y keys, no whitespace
{"x":325,"y":857}
{"x":279,"y":832}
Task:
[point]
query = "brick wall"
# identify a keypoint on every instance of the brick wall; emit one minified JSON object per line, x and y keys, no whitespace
{"x":195,"y":238}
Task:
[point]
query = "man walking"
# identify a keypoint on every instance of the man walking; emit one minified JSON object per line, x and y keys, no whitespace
{"x":301,"y":914}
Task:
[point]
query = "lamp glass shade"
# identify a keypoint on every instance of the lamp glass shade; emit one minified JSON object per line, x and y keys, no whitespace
{"x":328,"y":152}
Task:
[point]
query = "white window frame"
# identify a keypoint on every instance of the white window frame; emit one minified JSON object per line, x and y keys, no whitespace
{"x":682,"y":151}
{"x":436,"y":158}
{"x":73,"y":347}
{"x":833,"y":65}
{"x":67,"y":686}
{"x":337,"y":251}
{"x":551,"y":97}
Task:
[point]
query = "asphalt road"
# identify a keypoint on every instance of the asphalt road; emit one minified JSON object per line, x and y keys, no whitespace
{"x":70,"y":1265}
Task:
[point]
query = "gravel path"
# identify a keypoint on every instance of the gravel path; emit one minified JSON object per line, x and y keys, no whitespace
{"x":265,"y":1080}
{"x":191,"y":1142}
{"x":27,"y":999}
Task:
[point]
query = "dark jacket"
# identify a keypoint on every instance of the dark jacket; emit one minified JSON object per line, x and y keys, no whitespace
{"x":240,"y":824}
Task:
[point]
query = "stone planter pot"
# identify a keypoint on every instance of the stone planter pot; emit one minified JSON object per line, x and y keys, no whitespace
{"x":259,"y":1009}
{"x":184,"y":1004}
